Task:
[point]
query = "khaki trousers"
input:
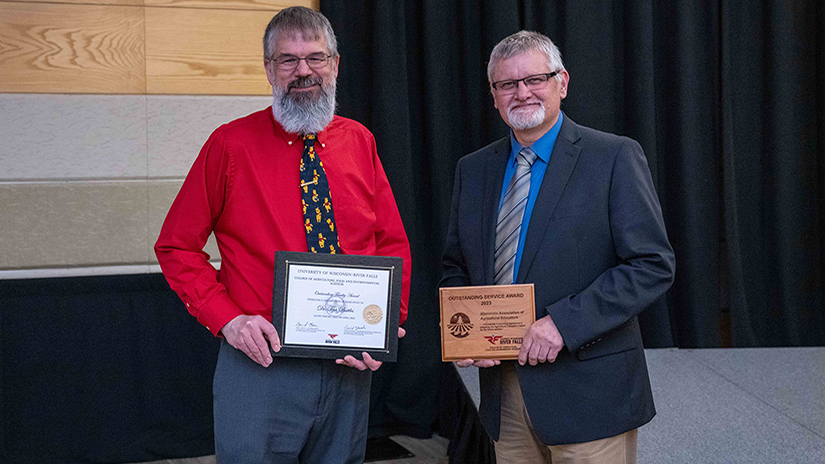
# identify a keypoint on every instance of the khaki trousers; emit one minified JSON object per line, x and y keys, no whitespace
{"x":518,"y":443}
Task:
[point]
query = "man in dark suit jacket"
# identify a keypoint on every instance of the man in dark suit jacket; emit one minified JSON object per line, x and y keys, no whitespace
{"x":591,"y":239}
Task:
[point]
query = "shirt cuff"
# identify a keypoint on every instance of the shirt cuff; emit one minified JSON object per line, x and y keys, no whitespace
{"x":217,"y":312}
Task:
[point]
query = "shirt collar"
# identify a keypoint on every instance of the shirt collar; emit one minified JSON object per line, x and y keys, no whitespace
{"x":292,"y":138}
{"x":543,"y":146}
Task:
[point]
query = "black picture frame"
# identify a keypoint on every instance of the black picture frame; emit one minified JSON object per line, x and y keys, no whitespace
{"x":280,"y":292}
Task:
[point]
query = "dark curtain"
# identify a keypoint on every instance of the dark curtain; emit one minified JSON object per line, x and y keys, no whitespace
{"x":102,"y":369}
{"x":726,"y":98}
{"x":772,"y":142}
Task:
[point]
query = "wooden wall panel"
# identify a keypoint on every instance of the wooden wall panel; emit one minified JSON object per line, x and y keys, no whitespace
{"x":94,"y":202}
{"x":72,"y":137}
{"x":215,"y":52}
{"x":85,"y":2}
{"x":272,"y":5}
{"x":52,"y":225}
{"x":53,"y":48}
{"x":178,"y":126}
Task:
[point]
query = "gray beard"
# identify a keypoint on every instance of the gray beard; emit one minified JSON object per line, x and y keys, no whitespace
{"x":305,"y":112}
{"x":521,"y":121}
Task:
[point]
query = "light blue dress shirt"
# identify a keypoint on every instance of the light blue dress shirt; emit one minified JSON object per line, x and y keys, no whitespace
{"x":543,"y":148}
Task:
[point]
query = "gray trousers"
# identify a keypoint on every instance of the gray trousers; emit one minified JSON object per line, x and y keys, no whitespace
{"x":294,"y":411}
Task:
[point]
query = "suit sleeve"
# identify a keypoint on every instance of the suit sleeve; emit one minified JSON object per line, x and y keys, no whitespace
{"x":390,"y":236}
{"x":645,"y":261}
{"x":190,"y":221}
{"x":455,"y":267}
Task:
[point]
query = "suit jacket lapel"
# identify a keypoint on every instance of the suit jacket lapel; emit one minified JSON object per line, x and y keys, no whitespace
{"x":562,"y":161}
{"x":493,"y":179}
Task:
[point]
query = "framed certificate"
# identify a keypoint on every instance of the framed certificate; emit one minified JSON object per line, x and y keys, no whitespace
{"x":331,"y":305}
{"x":485,"y":322}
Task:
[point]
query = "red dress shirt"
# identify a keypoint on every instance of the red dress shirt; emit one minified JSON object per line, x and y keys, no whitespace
{"x":245,"y":187}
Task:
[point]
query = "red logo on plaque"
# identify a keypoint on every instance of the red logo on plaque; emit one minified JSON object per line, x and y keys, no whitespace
{"x":493,"y":338}
{"x":332,"y":336}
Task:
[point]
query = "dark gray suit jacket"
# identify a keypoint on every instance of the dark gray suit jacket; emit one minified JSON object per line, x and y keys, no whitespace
{"x":597,"y":251}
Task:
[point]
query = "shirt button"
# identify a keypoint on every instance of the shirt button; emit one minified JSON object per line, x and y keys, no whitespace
{"x":323,"y":145}
{"x":289,"y":143}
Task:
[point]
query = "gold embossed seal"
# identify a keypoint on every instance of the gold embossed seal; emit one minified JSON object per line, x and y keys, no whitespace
{"x":373,"y":314}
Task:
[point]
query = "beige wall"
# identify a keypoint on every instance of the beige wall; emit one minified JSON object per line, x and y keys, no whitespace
{"x":104,"y":105}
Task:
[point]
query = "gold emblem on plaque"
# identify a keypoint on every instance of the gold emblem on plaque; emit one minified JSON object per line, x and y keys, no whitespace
{"x":373,"y":314}
{"x":460,"y":325}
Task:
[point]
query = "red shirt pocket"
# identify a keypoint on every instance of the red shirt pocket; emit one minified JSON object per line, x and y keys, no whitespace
{"x":356,"y":227}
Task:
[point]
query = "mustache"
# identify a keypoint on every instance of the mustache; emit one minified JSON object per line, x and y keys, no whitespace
{"x":304,"y":82}
{"x":514,"y":104}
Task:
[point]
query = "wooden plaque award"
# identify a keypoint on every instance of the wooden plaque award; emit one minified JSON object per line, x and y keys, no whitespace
{"x":485,"y":322}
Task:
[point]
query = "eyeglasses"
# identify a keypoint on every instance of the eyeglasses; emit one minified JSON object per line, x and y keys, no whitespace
{"x":290,"y":62}
{"x":535,"y":81}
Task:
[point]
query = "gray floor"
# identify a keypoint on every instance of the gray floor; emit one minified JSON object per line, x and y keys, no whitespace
{"x":432,"y":451}
{"x":757,"y":405}
{"x":760,"y":405}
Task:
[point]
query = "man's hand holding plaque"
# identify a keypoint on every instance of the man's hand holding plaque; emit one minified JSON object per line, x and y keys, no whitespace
{"x":367,"y":362}
{"x":484,"y":324}
{"x":542,"y":343}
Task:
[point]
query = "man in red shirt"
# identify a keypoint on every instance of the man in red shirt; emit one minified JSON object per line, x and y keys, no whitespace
{"x":245,"y":186}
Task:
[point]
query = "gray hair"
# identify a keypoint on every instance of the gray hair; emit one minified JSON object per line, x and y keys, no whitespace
{"x":310,"y":24}
{"x":522,"y":42}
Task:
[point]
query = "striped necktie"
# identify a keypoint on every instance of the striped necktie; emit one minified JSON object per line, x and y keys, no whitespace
{"x":319,"y":219}
{"x":508,"y":227}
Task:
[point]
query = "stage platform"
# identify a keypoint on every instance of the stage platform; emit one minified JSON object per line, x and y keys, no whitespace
{"x":749,"y":405}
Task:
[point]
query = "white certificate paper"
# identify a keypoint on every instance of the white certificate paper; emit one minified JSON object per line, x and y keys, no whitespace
{"x":336,"y":306}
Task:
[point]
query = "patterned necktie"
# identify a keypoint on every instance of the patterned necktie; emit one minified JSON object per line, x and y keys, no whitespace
{"x":508,"y":227}
{"x":319,"y":220}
